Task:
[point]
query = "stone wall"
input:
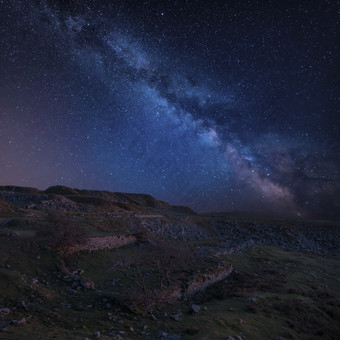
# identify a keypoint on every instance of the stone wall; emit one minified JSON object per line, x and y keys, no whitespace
{"x":204,"y":280}
{"x":200,"y":282}
{"x":105,"y":242}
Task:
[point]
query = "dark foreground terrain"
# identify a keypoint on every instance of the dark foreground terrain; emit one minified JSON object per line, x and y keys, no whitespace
{"x":82,"y":264}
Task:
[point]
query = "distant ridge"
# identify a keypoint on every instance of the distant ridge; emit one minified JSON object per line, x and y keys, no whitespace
{"x":96,"y":198}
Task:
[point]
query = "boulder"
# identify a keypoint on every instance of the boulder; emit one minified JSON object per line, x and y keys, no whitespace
{"x":21,"y":321}
{"x":87,"y":285}
{"x":176,"y":317}
{"x":4,"y":311}
{"x":195,"y":309}
{"x":162,"y":334}
{"x":96,"y":334}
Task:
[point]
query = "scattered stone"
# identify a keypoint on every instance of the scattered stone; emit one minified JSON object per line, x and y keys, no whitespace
{"x":162,"y":334}
{"x":23,"y":304}
{"x":96,"y":334}
{"x":34,"y":281}
{"x":21,"y":321}
{"x":195,"y":309}
{"x":113,"y":283}
{"x":131,"y":329}
{"x":4,"y":311}
{"x":8,"y":233}
{"x":77,"y":272}
{"x":8,"y":266}
{"x":87,"y":285}
{"x":176,"y":317}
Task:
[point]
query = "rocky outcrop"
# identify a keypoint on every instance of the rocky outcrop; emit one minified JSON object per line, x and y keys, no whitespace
{"x":60,"y":203}
{"x":31,"y":198}
{"x":181,"y":229}
{"x":22,"y":199}
{"x":318,"y":238}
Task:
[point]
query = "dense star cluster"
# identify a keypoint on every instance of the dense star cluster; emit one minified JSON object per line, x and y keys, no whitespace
{"x":221,"y":105}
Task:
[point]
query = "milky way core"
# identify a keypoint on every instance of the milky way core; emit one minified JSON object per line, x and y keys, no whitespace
{"x":220,"y":106}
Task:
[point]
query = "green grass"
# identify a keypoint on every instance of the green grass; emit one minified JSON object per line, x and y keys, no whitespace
{"x":274,"y":292}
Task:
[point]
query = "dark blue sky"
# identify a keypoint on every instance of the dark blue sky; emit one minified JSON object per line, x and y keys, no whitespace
{"x":222,"y":105}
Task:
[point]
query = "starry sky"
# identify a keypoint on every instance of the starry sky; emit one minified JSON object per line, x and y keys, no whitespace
{"x":218,"y":105}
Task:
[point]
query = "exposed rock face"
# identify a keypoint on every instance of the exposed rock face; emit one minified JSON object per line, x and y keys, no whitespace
{"x":61,"y":197}
{"x":299,"y":236}
{"x":22,"y":199}
{"x":180,"y":229}
{"x":165,"y":221}
{"x":59,"y":203}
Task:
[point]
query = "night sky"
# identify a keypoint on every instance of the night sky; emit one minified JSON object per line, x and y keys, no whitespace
{"x":218,"y":105}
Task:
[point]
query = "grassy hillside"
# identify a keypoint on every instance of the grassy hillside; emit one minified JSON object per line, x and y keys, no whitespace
{"x":277,"y":290}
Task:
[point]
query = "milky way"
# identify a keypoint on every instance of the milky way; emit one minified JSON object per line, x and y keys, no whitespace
{"x":222,"y":106}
